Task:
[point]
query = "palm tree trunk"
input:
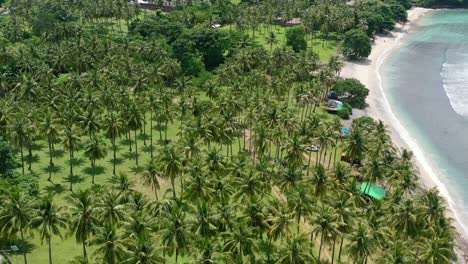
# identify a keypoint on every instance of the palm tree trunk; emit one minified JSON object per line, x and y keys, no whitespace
{"x":30,"y":157}
{"x":93,"y":167}
{"x":151,"y":134}
{"x":85,"y":254}
{"x":24,"y":246}
{"x":176,"y":255}
{"x":308,"y":163}
{"x":173,"y":187}
{"x":329,"y":159}
{"x":51,"y":164}
{"x":49,"y":240}
{"x":339,"y":252}
{"x":136,"y":148}
{"x":144,"y":129}
{"x":22,"y":157}
{"x":129,"y":136}
{"x":320,"y":248}
{"x":115,"y":154}
{"x":333,"y":251}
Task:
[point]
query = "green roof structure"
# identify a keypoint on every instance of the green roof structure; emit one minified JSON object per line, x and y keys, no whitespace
{"x":373,"y":190}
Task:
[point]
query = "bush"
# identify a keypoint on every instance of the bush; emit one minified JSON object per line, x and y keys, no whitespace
{"x":352,"y":92}
{"x":344,"y":114}
{"x":295,"y":38}
{"x":356,"y":44}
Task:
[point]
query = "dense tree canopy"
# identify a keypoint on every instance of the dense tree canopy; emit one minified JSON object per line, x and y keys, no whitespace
{"x":155,"y":137}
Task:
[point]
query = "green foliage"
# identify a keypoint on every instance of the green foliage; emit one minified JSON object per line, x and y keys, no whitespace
{"x":53,"y":19}
{"x":352,"y":92}
{"x":295,"y":38}
{"x":157,"y":26}
{"x":344,"y":114}
{"x":356,"y":44}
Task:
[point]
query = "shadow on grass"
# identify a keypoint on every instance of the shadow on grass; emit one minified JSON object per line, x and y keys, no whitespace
{"x":136,"y":170}
{"x":125,"y":142}
{"x":53,"y":169}
{"x":34,"y":159}
{"x":73,"y":179}
{"x":77,"y":162}
{"x":147,"y":149}
{"x":58,"y":153}
{"x":55,"y":188}
{"x":37,"y":146}
{"x":118,"y":161}
{"x":129,"y":156}
{"x":6,"y":244}
{"x":98,"y":170}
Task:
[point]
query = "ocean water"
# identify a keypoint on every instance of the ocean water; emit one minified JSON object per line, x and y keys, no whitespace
{"x":426,"y":82}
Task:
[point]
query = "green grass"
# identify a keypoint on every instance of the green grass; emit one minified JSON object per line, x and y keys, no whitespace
{"x":325,"y":47}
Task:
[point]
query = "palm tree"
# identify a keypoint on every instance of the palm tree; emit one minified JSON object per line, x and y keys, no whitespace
{"x":135,"y":122}
{"x":150,"y":176}
{"x":83,"y":217}
{"x":111,"y":207}
{"x":96,"y":149}
{"x":435,"y":250}
{"x":142,"y":251}
{"x":361,"y":243}
{"x":114,"y":128}
{"x":50,"y":129}
{"x":175,"y":235}
{"x":111,"y":247}
{"x":325,"y":222}
{"x":271,"y":40}
{"x":356,"y":145}
{"x":70,"y":142}
{"x":296,"y":251}
{"x":50,"y":220}
{"x":19,"y":134}
{"x":240,"y":242}
{"x":15,"y":216}
{"x":171,"y":165}
{"x":320,"y":181}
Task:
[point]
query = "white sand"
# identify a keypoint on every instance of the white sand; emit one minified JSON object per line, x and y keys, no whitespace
{"x":368,"y":72}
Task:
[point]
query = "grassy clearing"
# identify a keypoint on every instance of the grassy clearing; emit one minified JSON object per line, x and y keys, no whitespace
{"x":324,"y":46}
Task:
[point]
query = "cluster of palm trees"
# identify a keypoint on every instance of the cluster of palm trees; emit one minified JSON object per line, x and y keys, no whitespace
{"x":236,"y":182}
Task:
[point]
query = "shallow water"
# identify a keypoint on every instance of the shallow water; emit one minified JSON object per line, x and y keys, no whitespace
{"x":426,"y":81}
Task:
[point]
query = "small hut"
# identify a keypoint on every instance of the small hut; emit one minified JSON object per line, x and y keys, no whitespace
{"x":293,"y":22}
{"x":373,"y":191}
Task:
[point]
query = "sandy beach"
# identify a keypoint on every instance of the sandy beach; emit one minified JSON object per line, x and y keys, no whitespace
{"x":368,"y":72}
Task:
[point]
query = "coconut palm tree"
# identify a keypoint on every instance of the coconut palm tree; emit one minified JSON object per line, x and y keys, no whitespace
{"x":15,"y":217}
{"x":175,"y":233}
{"x":150,"y":176}
{"x":111,"y":207}
{"x":142,"y":251}
{"x":50,"y":129}
{"x":361,"y":243}
{"x":96,"y":149}
{"x":50,"y":219}
{"x":435,"y":250}
{"x":296,"y":251}
{"x":240,"y":242}
{"x":114,"y":128}
{"x":171,"y":165}
{"x":134,"y":122}
{"x":325,"y":222}
{"x":83,"y":219}
{"x":111,"y":247}
{"x":70,"y":142}
{"x":19,"y":130}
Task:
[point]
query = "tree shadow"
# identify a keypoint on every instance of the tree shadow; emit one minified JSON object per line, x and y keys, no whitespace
{"x":147,"y":149}
{"x":55,"y":188}
{"x":77,"y":162}
{"x":53,"y":169}
{"x":118,"y":161}
{"x":126,"y":141}
{"x":160,"y":127}
{"x":58,"y":153}
{"x":73,"y":179}
{"x":136,"y":170}
{"x":34,"y":159}
{"x":143,"y":136}
{"x":6,"y":244}
{"x":37,"y":146}
{"x":129,"y":156}
{"x":98,"y":170}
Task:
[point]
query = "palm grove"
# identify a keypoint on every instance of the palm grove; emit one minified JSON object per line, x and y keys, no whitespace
{"x":149,"y":137}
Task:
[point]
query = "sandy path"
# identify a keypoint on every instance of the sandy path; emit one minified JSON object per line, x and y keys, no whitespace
{"x":379,"y":108}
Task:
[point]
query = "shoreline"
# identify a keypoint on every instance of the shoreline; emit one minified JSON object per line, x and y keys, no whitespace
{"x":368,"y":72}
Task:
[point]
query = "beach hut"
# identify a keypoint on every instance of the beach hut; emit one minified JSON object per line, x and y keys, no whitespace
{"x":216,"y":26}
{"x":334,"y":105}
{"x":373,"y":191}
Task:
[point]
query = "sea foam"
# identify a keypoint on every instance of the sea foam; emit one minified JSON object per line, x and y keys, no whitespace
{"x":455,"y":81}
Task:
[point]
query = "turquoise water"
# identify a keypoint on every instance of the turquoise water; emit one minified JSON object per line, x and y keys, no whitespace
{"x":426,"y":81}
